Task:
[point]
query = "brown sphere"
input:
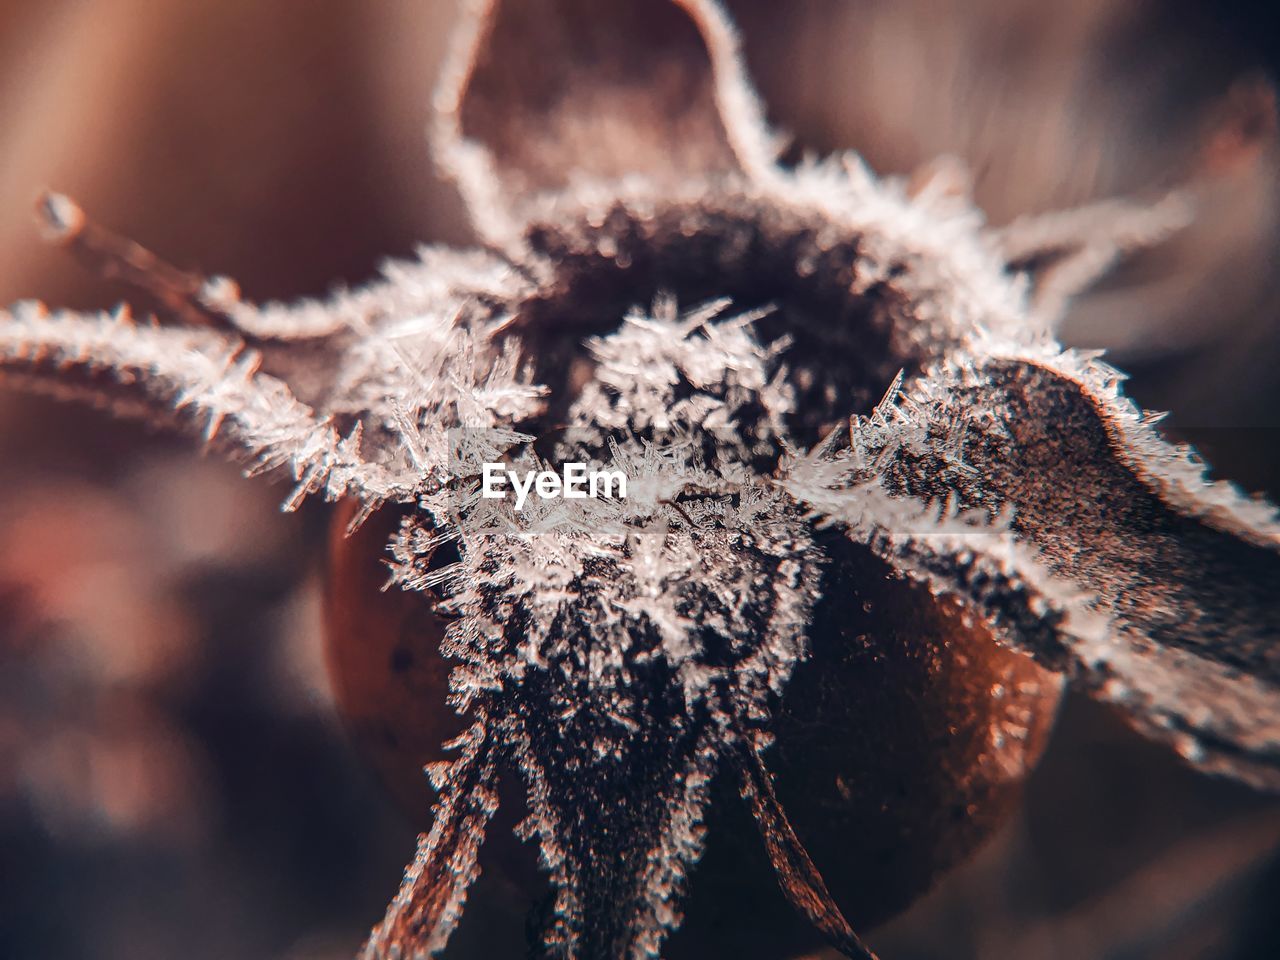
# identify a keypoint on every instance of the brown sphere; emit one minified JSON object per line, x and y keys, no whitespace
{"x":902,"y":743}
{"x":382,"y":648}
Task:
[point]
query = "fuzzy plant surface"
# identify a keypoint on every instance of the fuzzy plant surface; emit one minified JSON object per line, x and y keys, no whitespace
{"x":768,"y":353}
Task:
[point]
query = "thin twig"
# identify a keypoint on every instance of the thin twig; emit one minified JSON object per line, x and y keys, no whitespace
{"x":119,"y":258}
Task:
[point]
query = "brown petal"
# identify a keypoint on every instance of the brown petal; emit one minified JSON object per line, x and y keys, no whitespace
{"x":1186,"y":573}
{"x":542,"y":94}
{"x":800,"y":880}
{"x":619,"y":834}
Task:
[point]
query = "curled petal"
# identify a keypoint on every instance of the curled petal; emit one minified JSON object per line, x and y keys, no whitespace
{"x":1185,"y":573}
{"x":541,"y":94}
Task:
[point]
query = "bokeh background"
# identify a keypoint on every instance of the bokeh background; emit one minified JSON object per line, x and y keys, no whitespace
{"x":174,"y":782}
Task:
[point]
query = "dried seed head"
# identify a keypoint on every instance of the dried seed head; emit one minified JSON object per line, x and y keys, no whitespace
{"x":813,"y":376}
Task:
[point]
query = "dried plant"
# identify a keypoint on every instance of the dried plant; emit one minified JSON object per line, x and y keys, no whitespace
{"x":773,"y":353}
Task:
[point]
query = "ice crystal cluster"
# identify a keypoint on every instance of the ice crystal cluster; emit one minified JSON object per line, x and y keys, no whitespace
{"x":767,"y":352}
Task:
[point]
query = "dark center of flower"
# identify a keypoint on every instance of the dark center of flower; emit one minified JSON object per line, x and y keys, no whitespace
{"x":846,"y":334}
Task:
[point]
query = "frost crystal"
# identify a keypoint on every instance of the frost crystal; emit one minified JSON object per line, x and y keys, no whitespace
{"x":774,"y":357}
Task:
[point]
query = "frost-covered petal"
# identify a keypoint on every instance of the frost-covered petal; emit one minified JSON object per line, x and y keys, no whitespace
{"x":1128,"y":115}
{"x":423,"y":914}
{"x":1153,"y":589}
{"x":540,"y":95}
{"x":193,"y":379}
{"x":354,"y":394}
{"x":619,"y":833}
{"x":414,"y":331}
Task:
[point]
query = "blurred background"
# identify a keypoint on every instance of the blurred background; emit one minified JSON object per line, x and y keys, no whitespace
{"x":173,"y":779}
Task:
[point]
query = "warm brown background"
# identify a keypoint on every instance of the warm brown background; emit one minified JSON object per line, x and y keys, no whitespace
{"x":172,"y":779}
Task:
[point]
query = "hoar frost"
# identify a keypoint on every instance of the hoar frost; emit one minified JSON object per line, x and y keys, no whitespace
{"x":770,"y":356}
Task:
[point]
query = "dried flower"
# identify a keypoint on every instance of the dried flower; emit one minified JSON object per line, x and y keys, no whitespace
{"x":778,"y":357}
